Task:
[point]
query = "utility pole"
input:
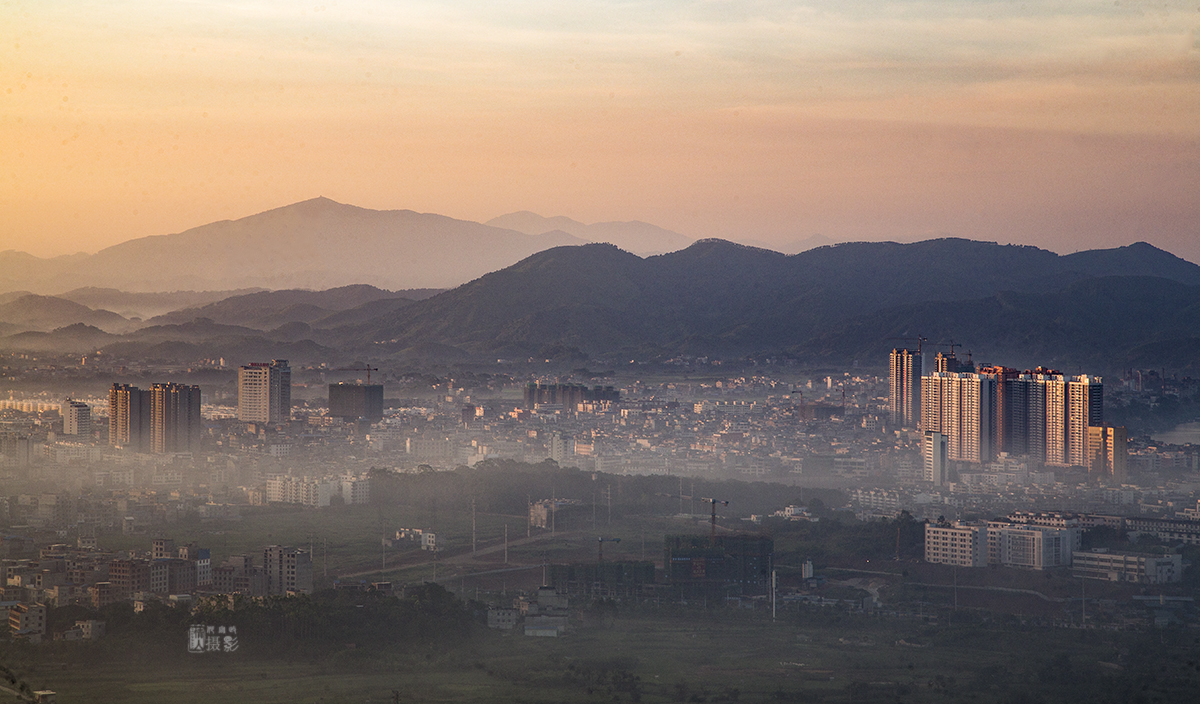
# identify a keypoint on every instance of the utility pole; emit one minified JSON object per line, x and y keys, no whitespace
{"x":1083,"y":601}
{"x":773,"y":585}
{"x":472,"y":526}
{"x":506,"y":543}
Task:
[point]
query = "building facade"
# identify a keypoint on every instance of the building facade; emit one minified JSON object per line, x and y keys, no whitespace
{"x":77,"y":418}
{"x":175,"y":421}
{"x":958,"y":405}
{"x":1030,"y":546}
{"x":287,"y":570}
{"x":904,"y":388}
{"x":1107,"y":454}
{"x":958,"y":544}
{"x":265,"y":392}
{"x":1038,"y":414}
{"x":129,"y":417}
{"x":1128,"y":567}
{"x":934,"y":454}
{"x":352,"y":402}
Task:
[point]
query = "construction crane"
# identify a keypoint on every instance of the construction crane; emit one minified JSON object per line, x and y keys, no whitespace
{"x":600,"y":547}
{"x":714,"y":503}
{"x":951,"y":344}
{"x":367,"y":369}
{"x":921,"y":340}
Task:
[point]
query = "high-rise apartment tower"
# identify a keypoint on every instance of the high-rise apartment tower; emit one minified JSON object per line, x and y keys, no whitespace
{"x":265,"y":392}
{"x":904,"y":388}
{"x":129,"y":417}
{"x":175,"y":421}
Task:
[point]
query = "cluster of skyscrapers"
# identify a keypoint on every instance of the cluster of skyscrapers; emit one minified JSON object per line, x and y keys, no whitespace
{"x":973,"y":415}
{"x":164,"y":418}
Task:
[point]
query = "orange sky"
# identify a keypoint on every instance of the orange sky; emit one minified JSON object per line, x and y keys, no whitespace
{"x":1067,"y":124}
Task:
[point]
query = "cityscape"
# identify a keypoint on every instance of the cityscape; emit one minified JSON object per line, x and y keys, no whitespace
{"x":569,"y":353}
{"x":541,"y":493}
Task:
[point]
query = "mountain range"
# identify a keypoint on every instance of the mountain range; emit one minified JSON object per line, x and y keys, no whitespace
{"x":1021,"y":306}
{"x":316,"y":244}
{"x":828,"y":304}
{"x":310,"y":279}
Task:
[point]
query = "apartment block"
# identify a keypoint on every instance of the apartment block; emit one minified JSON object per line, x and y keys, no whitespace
{"x":1030,"y":546}
{"x":77,"y":418}
{"x":287,"y":570}
{"x":265,"y":392}
{"x":1107,"y":454}
{"x":958,"y":544}
{"x":904,"y":388}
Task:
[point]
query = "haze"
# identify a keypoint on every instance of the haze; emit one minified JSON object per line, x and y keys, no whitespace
{"x":1065,"y":125}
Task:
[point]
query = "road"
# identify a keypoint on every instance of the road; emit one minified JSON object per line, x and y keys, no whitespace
{"x":425,"y":557}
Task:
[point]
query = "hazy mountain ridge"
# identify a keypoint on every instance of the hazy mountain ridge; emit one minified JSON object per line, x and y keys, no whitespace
{"x":43,"y":313}
{"x":147,"y":305}
{"x":635,"y":236}
{"x":1104,"y":322}
{"x":1010,"y":304}
{"x":316,"y":244}
{"x":267,"y":309}
{"x":719,"y":297}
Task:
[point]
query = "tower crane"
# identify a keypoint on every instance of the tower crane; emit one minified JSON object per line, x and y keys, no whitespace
{"x":714,"y":503}
{"x":950,"y":343}
{"x":368,"y":369}
{"x":921,"y":340}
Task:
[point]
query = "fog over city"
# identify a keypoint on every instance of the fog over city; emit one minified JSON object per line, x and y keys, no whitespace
{"x":646,"y":352}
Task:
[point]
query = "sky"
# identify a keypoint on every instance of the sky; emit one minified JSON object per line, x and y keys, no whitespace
{"x":1066,"y":125}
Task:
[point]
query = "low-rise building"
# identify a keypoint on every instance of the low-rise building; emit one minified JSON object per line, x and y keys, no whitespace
{"x":503,"y":619}
{"x":27,"y":621}
{"x":1031,"y":546}
{"x":1128,"y":567}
